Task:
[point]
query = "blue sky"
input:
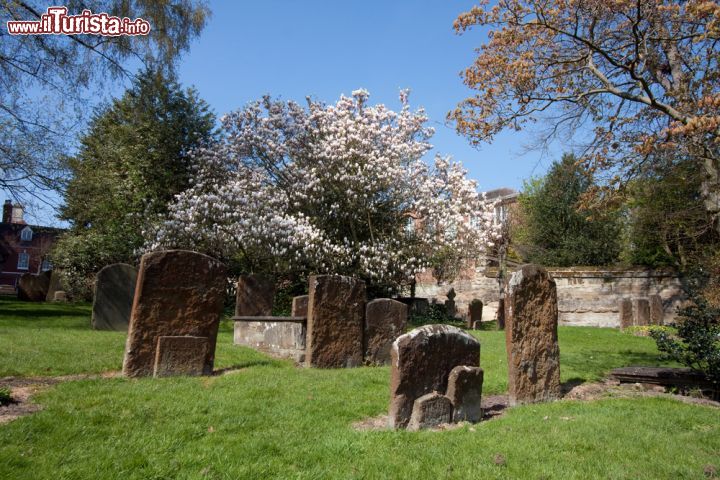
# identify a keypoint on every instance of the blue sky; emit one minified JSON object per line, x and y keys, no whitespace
{"x":293,"y":49}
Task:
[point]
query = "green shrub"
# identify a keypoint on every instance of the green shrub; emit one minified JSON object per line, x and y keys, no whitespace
{"x":436,"y":313}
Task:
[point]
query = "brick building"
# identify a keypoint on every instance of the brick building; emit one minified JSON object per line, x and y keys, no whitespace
{"x":23,"y":248}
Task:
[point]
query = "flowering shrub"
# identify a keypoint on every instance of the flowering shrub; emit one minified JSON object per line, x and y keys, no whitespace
{"x":327,"y":188}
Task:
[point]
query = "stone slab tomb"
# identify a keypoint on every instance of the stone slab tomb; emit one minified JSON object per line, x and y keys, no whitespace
{"x":113,"y":298}
{"x":421,"y":363}
{"x":180,"y":356}
{"x":336,"y":312}
{"x":385,"y":320}
{"x":531,"y":319}
{"x":178,"y":293}
{"x":33,"y":288}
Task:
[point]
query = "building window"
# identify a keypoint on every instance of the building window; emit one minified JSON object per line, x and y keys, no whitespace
{"x":26,"y":234}
{"x":23,"y":261}
{"x":46,"y":265}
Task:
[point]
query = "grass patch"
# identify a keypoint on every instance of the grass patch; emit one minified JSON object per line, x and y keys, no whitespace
{"x":270,"y":419}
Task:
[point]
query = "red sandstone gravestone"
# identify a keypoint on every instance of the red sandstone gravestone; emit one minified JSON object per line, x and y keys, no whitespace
{"x":465,"y":393}
{"x":641,"y":308}
{"x":179,"y":293}
{"x":33,"y":288}
{"x":657,"y":312}
{"x":474,"y":312}
{"x":336,"y":311}
{"x":255,"y":295}
{"x":421,"y":362}
{"x":182,"y":355}
{"x":531,"y":319}
{"x":626,"y":313}
{"x":385,"y":320}
{"x":299,"y":306}
{"x":430,"y":411}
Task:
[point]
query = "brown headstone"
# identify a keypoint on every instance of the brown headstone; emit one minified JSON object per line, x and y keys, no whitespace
{"x":474,"y":312}
{"x":500,"y":314}
{"x":113,"y":298}
{"x":421,"y":362}
{"x":465,"y":393}
{"x":179,"y":293}
{"x":299,"y":306}
{"x":626,"y":313}
{"x":531,"y":320}
{"x":180,"y":356}
{"x":54,"y":286}
{"x":60,"y":296}
{"x":255,"y":296}
{"x":33,"y":288}
{"x":450,"y":307}
{"x":336,"y":311}
{"x":430,"y":411}
{"x":657,"y":312}
{"x":385,"y":320}
{"x":641,"y":307}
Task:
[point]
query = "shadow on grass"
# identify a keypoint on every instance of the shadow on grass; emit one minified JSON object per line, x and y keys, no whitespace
{"x":242,"y":365}
{"x":593,"y":365}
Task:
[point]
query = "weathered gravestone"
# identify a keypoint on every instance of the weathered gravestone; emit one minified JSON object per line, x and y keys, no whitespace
{"x":33,"y":288}
{"x":299,"y":306}
{"x":255,"y":295}
{"x":626,"y":313}
{"x":641,"y":308}
{"x":474,"y":312}
{"x":385,"y":320}
{"x":450,"y":307}
{"x":336,"y":312}
{"x":55,"y":285}
{"x":657,"y":312}
{"x":179,"y":293}
{"x":500,"y":314}
{"x":184,"y":355}
{"x":421,"y":362}
{"x":531,"y":320}
{"x":465,"y":393}
{"x":429,"y":411}
{"x":113,"y":299}
{"x":60,"y":296}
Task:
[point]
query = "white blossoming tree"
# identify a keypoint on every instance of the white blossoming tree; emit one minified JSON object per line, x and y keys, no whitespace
{"x":328,"y":189}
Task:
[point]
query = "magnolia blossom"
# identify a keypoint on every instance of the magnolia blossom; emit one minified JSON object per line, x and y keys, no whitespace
{"x":328,"y":188}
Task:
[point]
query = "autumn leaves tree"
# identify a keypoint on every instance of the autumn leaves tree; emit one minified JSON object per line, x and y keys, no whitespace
{"x":630,"y":81}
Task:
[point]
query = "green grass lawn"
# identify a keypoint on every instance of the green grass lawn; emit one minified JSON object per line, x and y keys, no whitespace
{"x":272,"y":420}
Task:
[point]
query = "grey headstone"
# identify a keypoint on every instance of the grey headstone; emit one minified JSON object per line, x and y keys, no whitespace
{"x":114,"y":292}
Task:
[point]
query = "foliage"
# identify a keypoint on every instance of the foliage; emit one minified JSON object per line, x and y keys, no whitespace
{"x":435,"y":313}
{"x":132,"y":161}
{"x":697,"y":343}
{"x":5,"y":396}
{"x":328,"y":188}
{"x":554,"y":231}
{"x":48,"y":81}
{"x":640,"y":77}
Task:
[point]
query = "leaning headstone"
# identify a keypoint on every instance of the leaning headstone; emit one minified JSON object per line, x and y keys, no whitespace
{"x":299,"y":306}
{"x":474,"y":312}
{"x":531,"y":320}
{"x":385,"y":320}
{"x":657,"y":312}
{"x":113,"y":299}
{"x":430,"y":411}
{"x":421,"y":362}
{"x":336,"y":311}
{"x":54,"y":286}
{"x":626,"y":313}
{"x":60,"y":296}
{"x":641,"y":308}
{"x":33,"y":288}
{"x":180,"y":355}
{"x":255,"y":295}
{"x":465,"y":393}
{"x":179,"y":293}
{"x":450,"y":307}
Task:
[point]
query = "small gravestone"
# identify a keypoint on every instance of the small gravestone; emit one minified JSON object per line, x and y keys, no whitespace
{"x":180,"y":355}
{"x":641,"y":308}
{"x":421,"y":362}
{"x":385,"y":320}
{"x":33,"y":288}
{"x":657,"y":312}
{"x":179,"y":293}
{"x":477,"y":325}
{"x":465,"y":393}
{"x":531,"y":320}
{"x":430,"y":411}
{"x":54,"y":286}
{"x":114,"y":293}
{"x":450,"y":307}
{"x":60,"y":296}
{"x":299,"y":306}
{"x":336,"y":312}
{"x":500,"y":314}
{"x":626,"y":313}
{"x":474,"y":312}
{"x":255,"y":295}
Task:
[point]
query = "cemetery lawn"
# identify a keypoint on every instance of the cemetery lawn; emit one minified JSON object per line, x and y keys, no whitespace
{"x":266,"y":418}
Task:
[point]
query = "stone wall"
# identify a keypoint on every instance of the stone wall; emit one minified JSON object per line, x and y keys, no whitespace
{"x":586,"y":296}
